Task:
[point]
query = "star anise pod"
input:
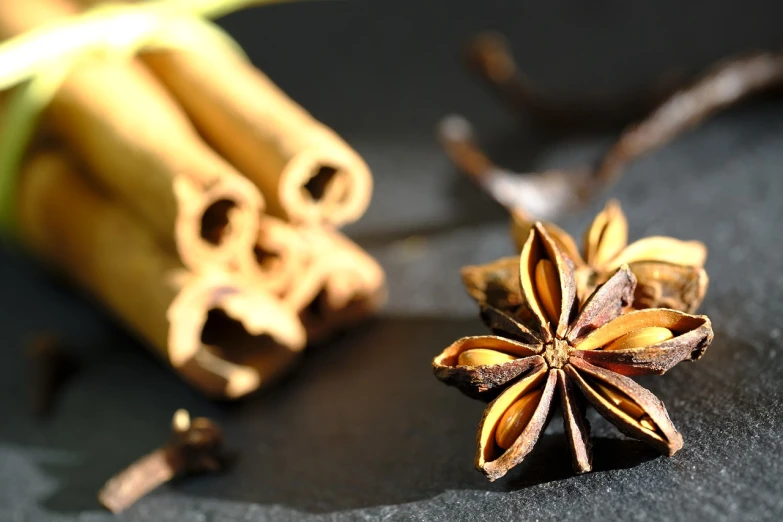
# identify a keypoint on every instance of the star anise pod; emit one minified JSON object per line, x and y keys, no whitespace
{"x":554,"y":345}
{"x":670,"y":272}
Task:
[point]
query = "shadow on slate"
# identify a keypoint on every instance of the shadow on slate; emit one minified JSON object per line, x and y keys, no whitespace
{"x":550,"y":460}
{"x":360,"y":417}
{"x":364,"y":415}
{"x":355,"y":418}
{"x":116,"y":410}
{"x":471,"y":207}
{"x":489,"y":212}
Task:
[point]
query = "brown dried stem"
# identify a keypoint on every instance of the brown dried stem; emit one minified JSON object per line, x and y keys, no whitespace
{"x":489,"y":56}
{"x":726,"y":83}
{"x":529,"y":196}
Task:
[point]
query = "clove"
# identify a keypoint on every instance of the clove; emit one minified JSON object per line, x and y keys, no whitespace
{"x":196,"y":446}
{"x":51,"y":365}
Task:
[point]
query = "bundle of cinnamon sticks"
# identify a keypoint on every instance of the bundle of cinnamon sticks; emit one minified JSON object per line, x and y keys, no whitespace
{"x":200,"y":204}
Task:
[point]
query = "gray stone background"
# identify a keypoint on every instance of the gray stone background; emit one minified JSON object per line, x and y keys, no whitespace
{"x":363,"y":431}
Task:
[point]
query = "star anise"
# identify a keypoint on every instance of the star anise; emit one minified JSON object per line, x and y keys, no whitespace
{"x":555,"y":345}
{"x":669,"y":271}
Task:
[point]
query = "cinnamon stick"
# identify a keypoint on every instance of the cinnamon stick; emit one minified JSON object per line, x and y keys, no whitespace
{"x":280,"y":255}
{"x":319,"y":272}
{"x":340,"y":285}
{"x":214,"y":328}
{"x":142,"y":149}
{"x":306,"y":172}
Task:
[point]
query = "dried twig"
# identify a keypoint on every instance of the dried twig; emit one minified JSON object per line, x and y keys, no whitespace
{"x":546,"y":194}
{"x":726,"y":83}
{"x":489,"y":56}
{"x":542,"y":194}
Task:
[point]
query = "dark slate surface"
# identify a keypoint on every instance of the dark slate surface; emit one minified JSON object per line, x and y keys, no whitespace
{"x":363,"y":431}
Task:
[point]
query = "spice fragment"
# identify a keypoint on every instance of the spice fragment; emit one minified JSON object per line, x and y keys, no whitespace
{"x":196,"y":446}
{"x":51,"y":366}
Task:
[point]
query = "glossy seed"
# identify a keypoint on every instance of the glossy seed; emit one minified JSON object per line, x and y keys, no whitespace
{"x":548,"y":288}
{"x":613,"y":239}
{"x":622,"y":402}
{"x":640,"y":338}
{"x":483,"y":357}
{"x":516,"y":419}
{"x":627,"y":406}
{"x":647,"y":423}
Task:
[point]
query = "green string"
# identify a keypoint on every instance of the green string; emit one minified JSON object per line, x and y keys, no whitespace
{"x":36,"y":63}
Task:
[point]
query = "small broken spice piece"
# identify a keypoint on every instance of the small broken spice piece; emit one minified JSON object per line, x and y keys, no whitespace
{"x":559,"y":344}
{"x":51,"y":366}
{"x":196,"y":446}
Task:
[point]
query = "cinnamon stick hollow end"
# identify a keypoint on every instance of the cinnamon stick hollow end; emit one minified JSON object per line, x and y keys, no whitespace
{"x":234,"y":345}
{"x":279,"y":255}
{"x":306,"y":172}
{"x":141,"y":147}
{"x":257,"y":311}
{"x":322,"y":320}
{"x":323,"y":183}
{"x":215,"y":221}
{"x":223,"y":334}
{"x":341,"y":285}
